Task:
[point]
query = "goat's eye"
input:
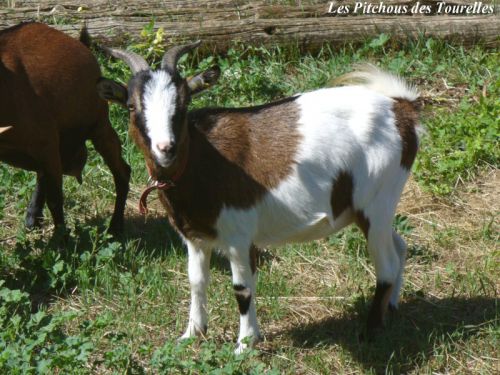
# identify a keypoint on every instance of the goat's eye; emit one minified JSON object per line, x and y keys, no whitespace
{"x":131,"y":107}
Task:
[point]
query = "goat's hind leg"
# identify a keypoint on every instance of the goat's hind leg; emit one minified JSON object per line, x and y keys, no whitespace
{"x":401,"y":249}
{"x":107,"y":144}
{"x":387,"y":262}
{"x":51,"y":167}
{"x":34,"y":213}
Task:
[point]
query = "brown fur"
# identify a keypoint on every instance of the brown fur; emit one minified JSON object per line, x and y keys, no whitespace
{"x":363,"y":222}
{"x":341,"y":200}
{"x":406,"y":119}
{"x":49,"y":97}
{"x":234,"y":160}
{"x":254,"y":252}
{"x":379,"y":306}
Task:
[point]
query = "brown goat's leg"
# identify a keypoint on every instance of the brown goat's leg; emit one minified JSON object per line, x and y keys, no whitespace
{"x":107,"y":144}
{"x":54,"y":194}
{"x":34,"y":213}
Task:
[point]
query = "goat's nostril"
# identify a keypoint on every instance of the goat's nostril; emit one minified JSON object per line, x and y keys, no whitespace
{"x":168,"y":148}
{"x":163,"y":146}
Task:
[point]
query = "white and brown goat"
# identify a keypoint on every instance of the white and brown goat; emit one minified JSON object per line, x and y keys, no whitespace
{"x":50,"y":106}
{"x":297,"y":169}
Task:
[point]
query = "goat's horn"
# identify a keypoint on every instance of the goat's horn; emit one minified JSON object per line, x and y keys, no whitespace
{"x":173,"y":55}
{"x":133,"y":60}
{"x":3,"y":129}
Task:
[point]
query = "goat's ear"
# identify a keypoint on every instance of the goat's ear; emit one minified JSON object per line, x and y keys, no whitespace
{"x":203,"y":80}
{"x":112,"y":91}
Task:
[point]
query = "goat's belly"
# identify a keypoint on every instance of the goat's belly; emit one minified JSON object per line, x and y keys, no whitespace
{"x":306,"y":232}
{"x":287,"y":230}
{"x":19,"y":160}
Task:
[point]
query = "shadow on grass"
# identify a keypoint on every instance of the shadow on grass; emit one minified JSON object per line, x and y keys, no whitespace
{"x":155,"y":233}
{"x":52,"y":266}
{"x":48,"y":266}
{"x":411,"y":333}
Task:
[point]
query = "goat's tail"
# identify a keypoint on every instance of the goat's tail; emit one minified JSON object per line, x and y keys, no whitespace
{"x":380,"y":81}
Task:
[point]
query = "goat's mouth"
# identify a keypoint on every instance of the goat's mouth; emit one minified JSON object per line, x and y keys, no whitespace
{"x":165,"y":162}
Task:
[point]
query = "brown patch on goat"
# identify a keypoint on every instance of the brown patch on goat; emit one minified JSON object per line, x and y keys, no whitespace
{"x":341,"y":197}
{"x":140,"y":142}
{"x":236,"y":156}
{"x":341,"y":200}
{"x":363,"y":222}
{"x":406,"y":114}
{"x":379,"y":307}
{"x":254,"y":252}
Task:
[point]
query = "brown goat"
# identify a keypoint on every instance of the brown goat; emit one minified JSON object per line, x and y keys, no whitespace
{"x":50,"y":107}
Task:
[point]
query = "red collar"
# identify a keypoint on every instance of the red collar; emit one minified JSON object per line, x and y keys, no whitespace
{"x":160,"y":185}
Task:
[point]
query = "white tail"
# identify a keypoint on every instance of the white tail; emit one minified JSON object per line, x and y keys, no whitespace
{"x":380,"y":81}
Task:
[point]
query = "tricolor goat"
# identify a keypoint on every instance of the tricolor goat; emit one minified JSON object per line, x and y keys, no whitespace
{"x":297,"y":169}
{"x":49,"y":108}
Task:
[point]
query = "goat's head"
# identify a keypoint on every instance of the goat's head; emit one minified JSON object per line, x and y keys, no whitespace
{"x":157,"y":102}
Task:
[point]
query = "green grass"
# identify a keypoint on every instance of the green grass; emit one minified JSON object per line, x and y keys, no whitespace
{"x":97,"y":305}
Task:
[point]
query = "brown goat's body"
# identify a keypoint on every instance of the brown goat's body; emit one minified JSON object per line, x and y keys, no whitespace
{"x":49,"y":97}
{"x":46,"y":79}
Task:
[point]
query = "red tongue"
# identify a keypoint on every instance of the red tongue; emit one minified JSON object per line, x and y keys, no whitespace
{"x":143,"y":202}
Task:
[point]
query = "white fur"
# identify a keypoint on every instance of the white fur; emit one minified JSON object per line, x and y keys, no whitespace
{"x":385,"y":83}
{"x":350,"y":129}
{"x":199,"y":278}
{"x":159,"y":106}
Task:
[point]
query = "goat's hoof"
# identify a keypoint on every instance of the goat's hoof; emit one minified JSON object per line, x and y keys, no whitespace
{"x":32,"y":222}
{"x":116,"y":227}
{"x":247,"y":343}
{"x":192,"y":332}
{"x":61,"y":236}
{"x":240,"y":348}
{"x":184,"y":338}
{"x":367,"y":336}
{"x":371,"y":332}
{"x":392,"y":308}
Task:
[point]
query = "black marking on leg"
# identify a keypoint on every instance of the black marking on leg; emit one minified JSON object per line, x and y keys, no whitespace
{"x":243,"y":297}
{"x":378,"y":308}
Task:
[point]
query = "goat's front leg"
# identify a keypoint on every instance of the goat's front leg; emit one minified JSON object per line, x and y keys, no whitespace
{"x":199,"y":278}
{"x":244,"y":279}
